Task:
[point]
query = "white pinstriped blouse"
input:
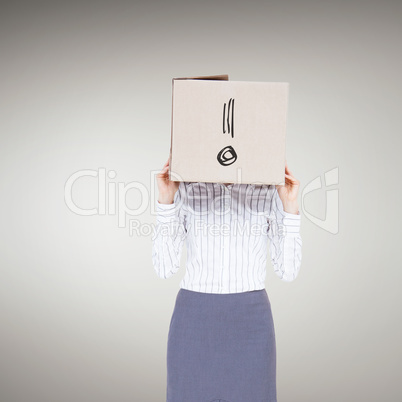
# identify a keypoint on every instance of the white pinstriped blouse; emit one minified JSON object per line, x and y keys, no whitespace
{"x":226,"y":230}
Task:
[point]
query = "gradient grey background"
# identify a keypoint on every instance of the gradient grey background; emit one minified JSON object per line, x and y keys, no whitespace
{"x":86,"y":85}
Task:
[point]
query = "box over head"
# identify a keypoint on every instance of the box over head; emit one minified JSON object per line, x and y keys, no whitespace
{"x":228,"y":131}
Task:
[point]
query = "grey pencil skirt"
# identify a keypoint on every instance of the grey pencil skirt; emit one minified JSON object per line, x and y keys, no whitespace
{"x":221,"y":348}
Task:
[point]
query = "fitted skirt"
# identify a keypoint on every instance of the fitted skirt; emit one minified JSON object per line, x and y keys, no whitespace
{"x":221,"y":348}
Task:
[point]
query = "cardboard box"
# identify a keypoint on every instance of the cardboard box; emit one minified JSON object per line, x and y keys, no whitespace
{"x":228,"y":131}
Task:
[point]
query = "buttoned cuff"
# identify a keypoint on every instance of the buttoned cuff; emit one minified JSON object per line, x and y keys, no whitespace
{"x":165,"y":212}
{"x":291,"y":222}
{"x":161,"y":206}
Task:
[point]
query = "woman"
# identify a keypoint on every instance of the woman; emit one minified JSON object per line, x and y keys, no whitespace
{"x":221,"y":342}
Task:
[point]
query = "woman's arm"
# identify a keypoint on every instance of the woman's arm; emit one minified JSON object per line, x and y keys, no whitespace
{"x":284,"y":229}
{"x":285,"y":240}
{"x":170,"y":230}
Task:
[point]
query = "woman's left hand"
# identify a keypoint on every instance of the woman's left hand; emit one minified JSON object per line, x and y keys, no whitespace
{"x":288,"y":192}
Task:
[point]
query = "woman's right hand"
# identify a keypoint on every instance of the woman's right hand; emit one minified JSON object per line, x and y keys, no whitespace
{"x":167,"y":188}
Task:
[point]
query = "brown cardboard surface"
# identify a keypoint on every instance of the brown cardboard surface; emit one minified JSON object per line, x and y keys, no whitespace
{"x":246,"y":118}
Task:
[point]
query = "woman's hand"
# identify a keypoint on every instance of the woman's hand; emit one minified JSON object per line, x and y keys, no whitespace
{"x":167,"y":188}
{"x":288,"y":192}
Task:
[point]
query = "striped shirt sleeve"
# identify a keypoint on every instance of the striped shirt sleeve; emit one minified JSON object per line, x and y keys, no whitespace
{"x":169,"y":234}
{"x":285,"y":240}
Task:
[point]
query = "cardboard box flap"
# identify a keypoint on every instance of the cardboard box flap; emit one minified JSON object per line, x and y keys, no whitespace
{"x":223,"y":77}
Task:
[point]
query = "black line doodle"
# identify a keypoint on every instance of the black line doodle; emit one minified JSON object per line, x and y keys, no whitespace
{"x":225,"y":160}
{"x":230,"y":102}
{"x":230,"y":116}
{"x":224,"y":109}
